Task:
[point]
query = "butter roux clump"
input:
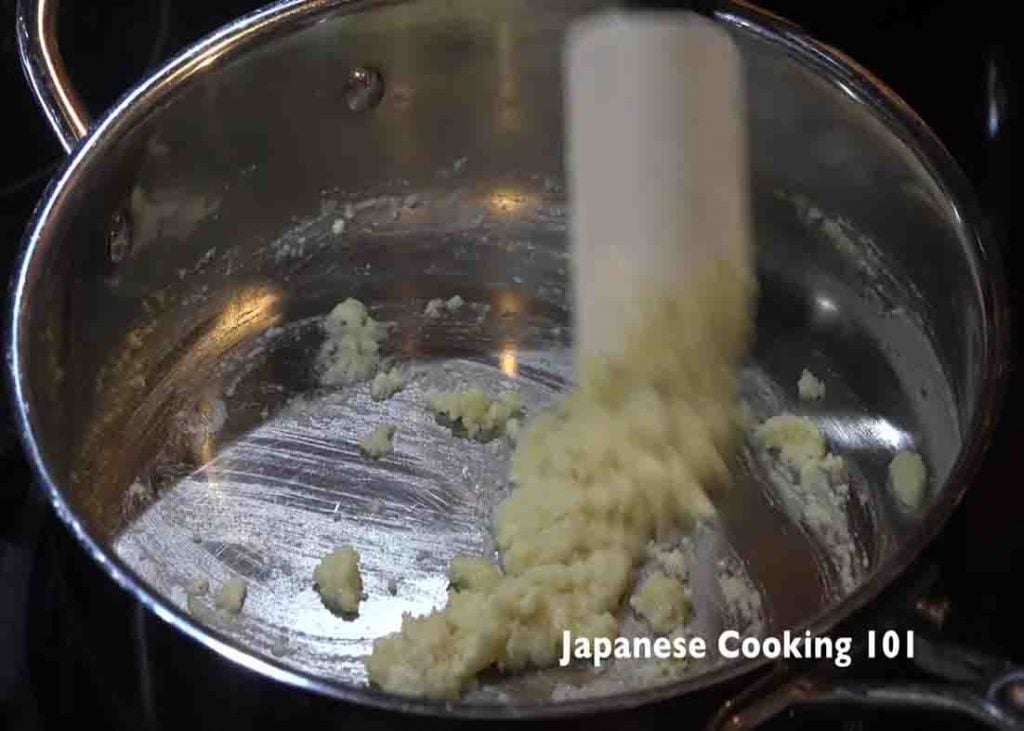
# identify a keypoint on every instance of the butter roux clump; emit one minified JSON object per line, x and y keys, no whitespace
{"x":338,"y":581}
{"x":628,"y":457}
{"x":907,"y":476}
{"x":662,"y":601}
{"x":474,"y":413}
{"x":350,"y":352}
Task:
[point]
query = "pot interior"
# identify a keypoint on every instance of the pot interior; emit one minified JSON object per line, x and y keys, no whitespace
{"x":172,"y":313}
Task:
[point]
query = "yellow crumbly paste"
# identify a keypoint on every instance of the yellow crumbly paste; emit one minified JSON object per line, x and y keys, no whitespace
{"x":907,"y":477}
{"x":629,"y":456}
{"x":338,"y":581}
{"x":471,"y":411}
{"x":662,"y":601}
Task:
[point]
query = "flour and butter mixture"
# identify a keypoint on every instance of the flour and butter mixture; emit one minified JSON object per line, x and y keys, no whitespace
{"x":628,"y":457}
{"x":595,"y":535}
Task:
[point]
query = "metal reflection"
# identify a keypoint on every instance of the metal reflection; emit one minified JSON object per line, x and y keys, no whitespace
{"x":509,"y":201}
{"x":825,"y":308}
{"x":250,"y":312}
{"x":508,"y":360}
{"x":854,"y":431}
{"x":508,"y":110}
{"x":509,"y":303}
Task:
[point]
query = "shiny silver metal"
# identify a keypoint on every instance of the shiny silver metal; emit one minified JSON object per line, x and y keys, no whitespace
{"x":234,"y":165}
{"x":953,"y":699}
{"x":44,"y":67}
{"x":963,"y":682}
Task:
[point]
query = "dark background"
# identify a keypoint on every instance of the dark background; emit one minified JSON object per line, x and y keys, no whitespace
{"x":951,"y":61}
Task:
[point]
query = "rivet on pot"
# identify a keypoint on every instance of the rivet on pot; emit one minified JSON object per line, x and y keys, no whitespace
{"x":364,"y":88}
{"x":119,"y":237}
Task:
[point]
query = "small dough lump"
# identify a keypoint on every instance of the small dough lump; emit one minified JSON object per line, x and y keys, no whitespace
{"x":809,"y":387}
{"x":802,"y":447}
{"x":434,"y":309}
{"x":797,"y":439}
{"x":387,"y":383}
{"x":378,"y":442}
{"x":907,"y":476}
{"x":351,"y":351}
{"x":231,"y":596}
{"x":437,"y":307}
{"x":454,"y":304}
{"x":662,"y":601}
{"x":473,"y":412}
{"x":338,"y":581}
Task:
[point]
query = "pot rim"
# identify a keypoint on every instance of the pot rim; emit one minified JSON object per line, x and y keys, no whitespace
{"x":282,"y":17}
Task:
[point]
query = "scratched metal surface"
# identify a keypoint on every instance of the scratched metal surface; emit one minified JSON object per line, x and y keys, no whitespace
{"x":273,"y":502}
{"x":280,"y":480}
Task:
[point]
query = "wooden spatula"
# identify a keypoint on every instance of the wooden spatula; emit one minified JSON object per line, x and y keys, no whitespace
{"x":657,"y":162}
{"x":658,"y":180}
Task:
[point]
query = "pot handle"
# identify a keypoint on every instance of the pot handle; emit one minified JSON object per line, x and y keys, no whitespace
{"x":44,"y":68}
{"x":972,"y":684}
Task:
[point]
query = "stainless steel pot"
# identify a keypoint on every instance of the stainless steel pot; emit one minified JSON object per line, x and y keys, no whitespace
{"x":164,"y":315}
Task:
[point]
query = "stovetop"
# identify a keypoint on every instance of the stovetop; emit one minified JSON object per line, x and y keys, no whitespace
{"x":73,"y":647}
